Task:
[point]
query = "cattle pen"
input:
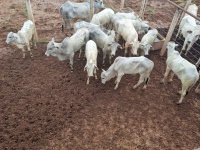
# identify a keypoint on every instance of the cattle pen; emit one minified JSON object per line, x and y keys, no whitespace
{"x":45,"y":106}
{"x":167,"y":22}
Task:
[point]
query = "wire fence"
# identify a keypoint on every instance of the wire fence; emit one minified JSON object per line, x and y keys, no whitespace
{"x":160,"y":15}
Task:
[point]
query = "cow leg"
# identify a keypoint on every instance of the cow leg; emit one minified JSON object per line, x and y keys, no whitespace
{"x":104,"y":57}
{"x":126,"y":49}
{"x":184,"y":45}
{"x":68,"y":23}
{"x":146,"y":81}
{"x":110,"y":58}
{"x":88,"y":80}
{"x":178,"y":33}
{"x":119,"y":76}
{"x":183,"y":93}
{"x":166,"y":74}
{"x":79,"y":56}
{"x":28,"y":46}
{"x":24,"y":53}
{"x":71,"y":62}
{"x":142,"y":77}
{"x":189,"y":47}
{"x":117,"y":37}
{"x":171,"y":76}
{"x":95,"y":73}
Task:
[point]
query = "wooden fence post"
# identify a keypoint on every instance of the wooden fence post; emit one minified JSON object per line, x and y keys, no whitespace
{"x":91,"y":8}
{"x":122,"y":4}
{"x":171,"y":29}
{"x":142,"y":9}
{"x":30,"y":17}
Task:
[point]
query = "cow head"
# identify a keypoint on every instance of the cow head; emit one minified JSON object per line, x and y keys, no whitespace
{"x":90,"y":67}
{"x":171,"y":47}
{"x":114,"y":46}
{"x":144,"y":27}
{"x":98,"y":4}
{"x":104,"y":76}
{"x":11,"y":37}
{"x":145,"y":47}
{"x":53,"y":49}
{"x":194,"y":35}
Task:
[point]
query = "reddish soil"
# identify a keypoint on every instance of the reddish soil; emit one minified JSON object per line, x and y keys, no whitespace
{"x":45,"y":106}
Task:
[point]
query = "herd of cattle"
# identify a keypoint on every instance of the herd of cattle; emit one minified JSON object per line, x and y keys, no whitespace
{"x":93,"y":35}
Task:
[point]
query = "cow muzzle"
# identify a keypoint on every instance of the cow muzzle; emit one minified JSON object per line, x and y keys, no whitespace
{"x":7,"y":42}
{"x":46,"y":54}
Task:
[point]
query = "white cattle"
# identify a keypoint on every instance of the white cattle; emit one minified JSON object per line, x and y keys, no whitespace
{"x":72,"y":10}
{"x":103,"y":17}
{"x":128,"y":32}
{"x":179,"y":66}
{"x":189,"y":29}
{"x":91,"y":56}
{"x":129,"y":65}
{"x":84,"y":24}
{"x":193,"y":9}
{"x":105,"y":42}
{"x":122,"y":15}
{"x":197,"y":90}
{"x":70,"y":45}
{"x":23,"y":37}
{"x":140,"y":25}
{"x":148,"y":40}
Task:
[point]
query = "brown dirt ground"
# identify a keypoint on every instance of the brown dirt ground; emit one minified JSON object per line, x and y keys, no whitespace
{"x":45,"y":106}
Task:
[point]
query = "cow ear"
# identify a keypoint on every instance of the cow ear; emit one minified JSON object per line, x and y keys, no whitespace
{"x":176,"y":45}
{"x":103,"y":70}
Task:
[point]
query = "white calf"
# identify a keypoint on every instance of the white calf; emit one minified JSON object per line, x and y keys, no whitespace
{"x":189,"y":29}
{"x":129,"y":65}
{"x":91,"y":56}
{"x":128,"y":32}
{"x":185,"y":71}
{"x":23,"y":37}
{"x":148,"y":40}
{"x":103,"y":17}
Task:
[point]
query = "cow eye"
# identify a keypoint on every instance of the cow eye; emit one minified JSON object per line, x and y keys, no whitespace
{"x":57,"y":47}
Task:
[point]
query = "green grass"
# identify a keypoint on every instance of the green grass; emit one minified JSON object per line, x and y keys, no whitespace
{"x":150,"y":10}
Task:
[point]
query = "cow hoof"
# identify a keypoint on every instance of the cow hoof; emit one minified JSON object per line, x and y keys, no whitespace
{"x":162,"y":82}
{"x":178,"y":103}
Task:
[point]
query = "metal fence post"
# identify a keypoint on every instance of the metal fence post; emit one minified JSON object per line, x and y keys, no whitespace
{"x":170,"y":32}
{"x":30,"y":17}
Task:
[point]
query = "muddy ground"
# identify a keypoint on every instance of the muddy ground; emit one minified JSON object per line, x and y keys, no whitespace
{"x":45,"y":106}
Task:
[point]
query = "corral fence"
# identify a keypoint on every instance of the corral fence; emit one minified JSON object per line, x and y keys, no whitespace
{"x":166,"y":17}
